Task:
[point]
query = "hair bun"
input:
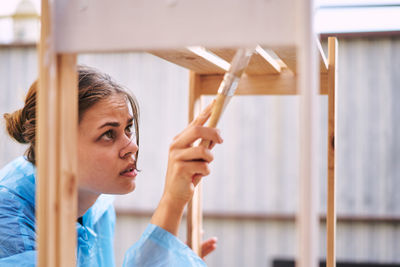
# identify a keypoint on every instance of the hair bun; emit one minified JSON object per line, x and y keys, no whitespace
{"x":15,"y":125}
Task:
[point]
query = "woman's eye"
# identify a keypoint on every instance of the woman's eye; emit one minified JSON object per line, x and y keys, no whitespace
{"x":128,"y":129}
{"x":109,"y":135}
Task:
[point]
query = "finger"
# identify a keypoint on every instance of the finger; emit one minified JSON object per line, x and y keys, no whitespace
{"x":208,"y":250}
{"x":208,"y":246}
{"x":192,"y":168}
{"x":194,"y":153}
{"x":204,"y":115}
{"x":200,"y":119}
{"x":211,"y":241}
{"x":191,"y":134}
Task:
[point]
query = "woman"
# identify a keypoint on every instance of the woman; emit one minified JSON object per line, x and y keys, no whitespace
{"x":108,"y":140}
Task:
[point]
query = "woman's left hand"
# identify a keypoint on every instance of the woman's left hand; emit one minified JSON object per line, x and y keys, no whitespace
{"x":208,"y":246}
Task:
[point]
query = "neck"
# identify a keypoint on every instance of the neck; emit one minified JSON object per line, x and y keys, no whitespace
{"x":85,"y":201}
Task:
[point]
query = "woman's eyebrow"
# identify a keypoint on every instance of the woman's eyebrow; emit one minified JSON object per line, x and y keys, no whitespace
{"x":113,"y":124}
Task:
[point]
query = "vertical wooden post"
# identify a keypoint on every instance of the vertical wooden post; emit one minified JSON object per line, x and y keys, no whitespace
{"x":331,"y":207}
{"x":67,"y":173}
{"x":46,"y":186}
{"x":307,"y":216}
{"x":194,"y":211}
{"x":56,"y":149}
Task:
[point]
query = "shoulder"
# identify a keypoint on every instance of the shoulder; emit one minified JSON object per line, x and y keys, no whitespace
{"x":17,"y":209}
{"x":18,"y":177}
{"x":17,"y":224}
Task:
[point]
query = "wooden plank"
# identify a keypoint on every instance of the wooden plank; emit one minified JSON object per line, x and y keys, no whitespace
{"x":67,"y":175}
{"x":323,"y":83}
{"x":56,"y":208}
{"x":46,"y":146}
{"x":323,"y":64}
{"x":257,"y":65}
{"x":143,"y":25}
{"x":283,"y":84}
{"x":331,"y":202}
{"x":194,"y":210}
{"x":307,"y":216}
{"x":187,"y":59}
{"x":288,"y":55}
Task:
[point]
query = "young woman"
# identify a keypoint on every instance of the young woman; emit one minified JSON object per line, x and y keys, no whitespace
{"x":108,"y":149}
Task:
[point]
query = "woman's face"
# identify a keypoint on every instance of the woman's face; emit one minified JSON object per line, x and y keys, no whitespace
{"x":107,"y":147}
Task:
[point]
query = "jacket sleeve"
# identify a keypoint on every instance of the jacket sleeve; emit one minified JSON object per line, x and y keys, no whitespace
{"x":24,"y":259}
{"x":157,"y":247}
{"x":17,"y":234}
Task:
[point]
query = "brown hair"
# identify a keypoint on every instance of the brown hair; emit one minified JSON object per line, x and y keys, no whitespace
{"x":93,"y":87}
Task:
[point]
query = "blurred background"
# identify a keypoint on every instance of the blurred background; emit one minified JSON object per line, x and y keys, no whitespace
{"x":250,"y":198}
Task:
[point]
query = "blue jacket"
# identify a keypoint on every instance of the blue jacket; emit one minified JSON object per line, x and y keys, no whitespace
{"x":156,"y":247}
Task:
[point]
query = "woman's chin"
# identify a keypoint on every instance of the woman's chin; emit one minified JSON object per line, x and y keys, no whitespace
{"x":122,"y":189}
{"x":128,"y":189}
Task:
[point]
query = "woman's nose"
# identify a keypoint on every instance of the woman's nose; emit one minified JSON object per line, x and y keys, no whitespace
{"x":129,"y":149}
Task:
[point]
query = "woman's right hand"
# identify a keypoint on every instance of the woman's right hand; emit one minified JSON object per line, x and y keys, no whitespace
{"x":187,"y":164}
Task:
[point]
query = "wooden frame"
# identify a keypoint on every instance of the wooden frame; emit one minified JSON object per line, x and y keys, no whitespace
{"x":56,"y":148}
{"x":307,"y":214}
{"x":331,"y":209}
{"x":292,"y":71}
{"x":269,"y":82}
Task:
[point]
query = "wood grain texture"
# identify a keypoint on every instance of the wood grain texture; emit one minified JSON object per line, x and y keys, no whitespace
{"x":194,"y":209}
{"x":56,"y":152}
{"x":331,"y":194}
{"x":282,"y":84}
{"x":47,"y":146}
{"x":67,"y":197}
{"x":187,"y":59}
{"x":257,"y":65}
{"x":288,"y":55}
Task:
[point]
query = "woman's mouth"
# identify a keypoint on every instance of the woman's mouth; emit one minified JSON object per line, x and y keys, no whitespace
{"x":129,"y":172}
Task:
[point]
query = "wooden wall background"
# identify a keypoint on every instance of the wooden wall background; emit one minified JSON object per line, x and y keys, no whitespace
{"x":251,"y":196}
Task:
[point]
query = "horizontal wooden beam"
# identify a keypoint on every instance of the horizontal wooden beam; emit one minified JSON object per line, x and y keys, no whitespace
{"x":122,"y":25}
{"x":187,"y":59}
{"x":282,"y":84}
{"x":288,"y":55}
{"x":257,"y":65}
